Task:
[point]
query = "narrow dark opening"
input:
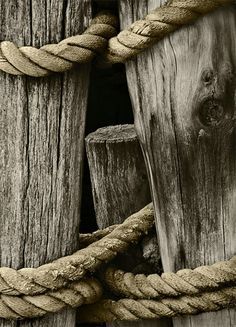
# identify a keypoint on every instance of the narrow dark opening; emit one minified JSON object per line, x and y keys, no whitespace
{"x":99,"y":5}
{"x":108,"y":104}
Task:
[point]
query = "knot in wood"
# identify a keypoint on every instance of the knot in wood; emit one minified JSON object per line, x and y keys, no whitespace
{"x":208,"y":76}
{"x":212,"y":113}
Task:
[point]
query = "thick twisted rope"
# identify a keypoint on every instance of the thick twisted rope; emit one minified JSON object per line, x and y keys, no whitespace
{"x":83,"y":48}
{"x":184,"y":282}
{"x":76,"y":294}
{"x":87,"y":239}
{"x":59,"y":57}
{"x":155,"y":26}
{"x":56,"y":275}
{"x":34,"y":292}
{"x":133,"y":310}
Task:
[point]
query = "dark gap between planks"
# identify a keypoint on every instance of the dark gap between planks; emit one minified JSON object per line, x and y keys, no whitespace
{"x":108,"y":104}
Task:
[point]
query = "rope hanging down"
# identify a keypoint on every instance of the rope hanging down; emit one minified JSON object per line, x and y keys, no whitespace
{"x":83,"y":48}
{"x":34,"y":292}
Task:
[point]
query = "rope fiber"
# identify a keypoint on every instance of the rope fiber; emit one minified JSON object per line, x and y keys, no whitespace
{"x":100,"y":39}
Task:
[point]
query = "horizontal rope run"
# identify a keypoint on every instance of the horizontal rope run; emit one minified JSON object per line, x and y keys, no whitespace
{"x":134,"y":310}
{"x":76,"y":294}
{"x":80,"y":49}
{"x":34,"y":292}
{"x":184,"y":282}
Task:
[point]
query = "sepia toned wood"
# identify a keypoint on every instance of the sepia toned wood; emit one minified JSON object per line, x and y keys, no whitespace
{"x":183,"y":95}
{"x":117,"y":172}
{"x":119,"y":181}
{"x":41,"y":145}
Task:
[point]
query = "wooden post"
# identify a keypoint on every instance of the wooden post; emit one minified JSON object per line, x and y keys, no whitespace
{"x":114,"y":162}
{"x":41,"y":134}
{"x":183,"y":94}
{"x":119,"y":182}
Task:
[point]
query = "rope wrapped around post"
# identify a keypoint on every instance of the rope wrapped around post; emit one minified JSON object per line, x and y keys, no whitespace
{"x":78,"y":49}
{"x":34,"y":292}
{"x":134,"y":310}
{"x":100,"y":39}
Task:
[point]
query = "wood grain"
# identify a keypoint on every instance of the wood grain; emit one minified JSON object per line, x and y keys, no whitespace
{"x":183,"y":95}
{"x":41,"y":134}
{"x":116,"y":173}
{"x":119,"y":181}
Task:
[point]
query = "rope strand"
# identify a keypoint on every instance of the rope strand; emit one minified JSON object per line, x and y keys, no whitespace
{"x":80,"y":49}
{"x":133,"y":310}
{"x":34,"y":292}
{"x":184,"y":282}
{"x":59,"y":57}
{"x":56,"y":275}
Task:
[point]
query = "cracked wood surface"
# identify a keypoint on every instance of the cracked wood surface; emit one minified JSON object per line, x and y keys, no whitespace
{"x":118,"y":175}
{"x":41,"y":136}
{"x":183,"y":95}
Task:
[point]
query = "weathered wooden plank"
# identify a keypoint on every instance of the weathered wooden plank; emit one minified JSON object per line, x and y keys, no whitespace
{"x":119,"y":182}
{"x":183,"y":94}
{"x":41,"y":135}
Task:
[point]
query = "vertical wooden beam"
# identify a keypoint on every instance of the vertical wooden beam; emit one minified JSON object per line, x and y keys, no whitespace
{"x":119,"y":181}
{"x":183,"y":94}
{"x":41,"y":134}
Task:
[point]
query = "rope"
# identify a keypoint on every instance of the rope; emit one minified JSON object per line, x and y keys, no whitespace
{"x":155,"y":26}
{"x":184,"y":282}
{"x":83,"y":48}
{"x":34,"y":292}
{"x":55,"y":275}
{"x":59,"y":57}
{"x":18,"y":307}
{"x":133,"y":310}
{"x":87,"y":239}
